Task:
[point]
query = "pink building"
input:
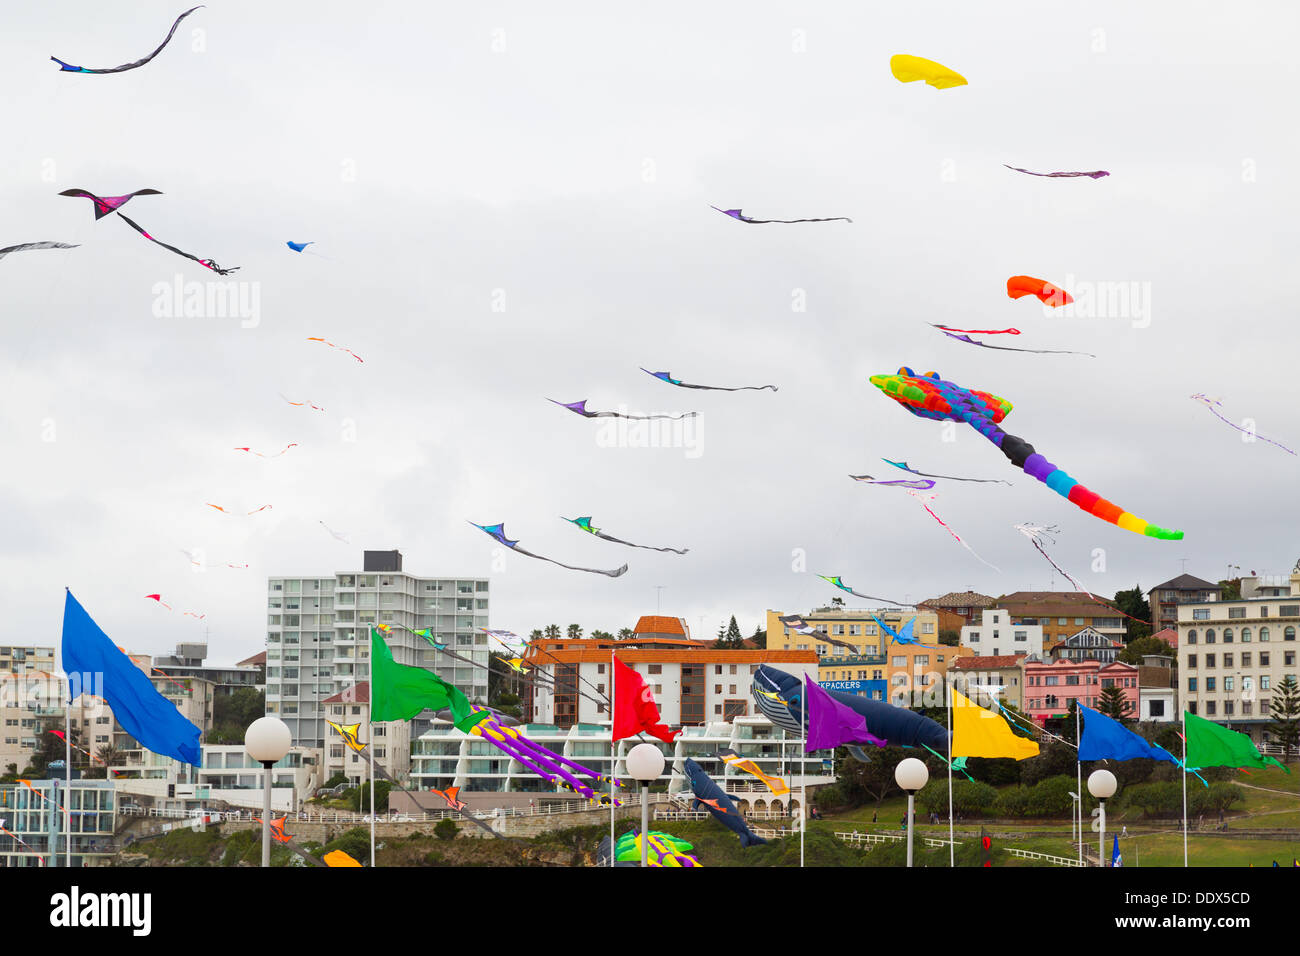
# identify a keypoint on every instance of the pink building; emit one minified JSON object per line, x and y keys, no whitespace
{"x":1050,"y":687}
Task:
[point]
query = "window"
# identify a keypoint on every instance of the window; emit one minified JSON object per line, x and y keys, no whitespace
{"x":1263,"y":635}
{"x":1263,"y":658}
{"x":1191,"y":706}
{"x":1210,"y":708}
{"x":1200,"y":614}
{"x":659,"y":668}
{"x":1022,"y":635}
{"x":1289,"y":610}
{"x":1236,"y":612}
{"x":1209,"y":683}
{"x":1288,"y":634}
{"x":1209,"y":660}
{"x":1051,"y":681}
{"x":1227,"y":660}
{"x":974,"y":637}
{"x":1245,"y":659}
{"x":1263,"y":685}
{"x":1227,"y":683}
{"x":1191,"y":637}
{"x":855,"y":630}
{"x":1227,"y":708}
{"x":600,"y":668}
{"x":898,"y":661}
{"x":1227,"y":635}
{"x":717,"y":689}
{"x":1245,"y":635}
{"x":1288,"y":659}
{"x":1209,"y":636}
{"x":1191,"y":661}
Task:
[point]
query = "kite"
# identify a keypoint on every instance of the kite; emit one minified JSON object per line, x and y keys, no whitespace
{"x":667,"y":377}
{"x":158,"y":598}
{"x":545,"y":763}
{"x":300,"y":404}
{"x":904,"y":634}
{"x":28,"y":785}
{"x":839,"y":583}
{"x":279,"y":836}
{"x":498,"y":531}
{"x":586,"y":525}
{"x":450,"y":798}
{"x":298,"y":246}
{"x":1211,"y":402}
{"x":199,"y":564}
{"x":339,"y":858}
{"x":903,"y":465}
{"x":947,"y":328}
{"x":924,"y":485}
{"x":580,"y":408}
{"x":1095,"y":174}
{"x":292,"y":444}
{"x":206,"y":263}
{"x":929,"y":396}
{"x":107,"y":204}
{"x":736,"y":214}
{"x":69,"y":68}
{"x":720,"y":806}
{"x":1034,"y":532}
{"x":898,"y":726}
{"x":908,"y":69}
{"x":922,"y":498}
{"x":778,"y":786}
{"x":225,"y":512}
{"x":1020,"y":286}
{"x":340,"y":537}
{"x":27,"y":246}
{"x":516,"y":664}
{"x":63,"y":737}
{"x":800,"y":626}
{"x":23,"y":842}
{"x":1006,"y":348}
{"x":427,"y":634}
{"x":332,"y":345}
{"x":662,"y":849}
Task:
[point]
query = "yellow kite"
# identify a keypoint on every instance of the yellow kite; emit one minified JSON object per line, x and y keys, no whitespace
{"x":977,"y":732}
{"x":906,"y":69}
{"x":339,"y":858}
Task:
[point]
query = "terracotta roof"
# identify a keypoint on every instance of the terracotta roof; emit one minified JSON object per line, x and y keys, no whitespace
{"x":1055,"y":604}
{"x":655,"y":624}
{"x":1168,"y":635}
{"x":961,"y":599}
{"x":256,"y":659}
{"x":1090,"y":662}
{"x":356,"y":694}
{"x":987,"y":663}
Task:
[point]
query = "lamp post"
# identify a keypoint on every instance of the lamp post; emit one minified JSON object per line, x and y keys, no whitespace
{"x":1076,"y":816}
{"x":911,"y":775}
{"x":1101,"y":784}
{"x":267,"y":740}
{"x":645,"y":762}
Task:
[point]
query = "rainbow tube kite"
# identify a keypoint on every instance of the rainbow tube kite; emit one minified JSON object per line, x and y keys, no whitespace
{"x":929,"y":396}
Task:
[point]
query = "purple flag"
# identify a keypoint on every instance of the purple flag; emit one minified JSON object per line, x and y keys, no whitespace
{"x":831,"y":724}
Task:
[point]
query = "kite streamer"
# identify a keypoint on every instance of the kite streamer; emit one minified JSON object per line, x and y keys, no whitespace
{"x":1095,"y":174}
{"x":69,"y":68}
{"x":339,"y":347}
{"x":839,"y":583}
{"x":158,"y":598}
{"x":293,"y":444}
{"x":28,"y":246}
{"x":1005,"y":348}
{"x":497,"y":531}
{"x":668,"y":377}
{"x":580,"y":408}
{"x":586,"y":525}
{"x":337,"y":535}
{"x":107,"y":204}
{"x":206,"y":263}
{"x":919,"y":497}
{"x":923,"y":485}
{"x":979,"y":331}
{"x":903,"y":465}
{"x":908,"y":69}
{"x":225,"y":512}
{"x":736,"y":214}
{"x":199,"y":564}
{"x":1211,"y":402}
{"x":1036,"y":532}
{"x":797,"y":624}
{"x":21,"y":841}
{"x":929,"y":396}
{"x":1020,"y":286}
{"x":301,"y":404}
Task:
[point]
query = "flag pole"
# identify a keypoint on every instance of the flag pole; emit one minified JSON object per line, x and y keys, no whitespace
{"x":613,"y":757}
{"x":1078,"y":772}
{"x":1184,"y":788}
{"x":67,"y":769}
{"x":803,"y":768}
{"x":952,"y":847}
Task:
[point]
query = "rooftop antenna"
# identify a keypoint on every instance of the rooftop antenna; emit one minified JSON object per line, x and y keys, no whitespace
{"x":658,"y":594}
{"x":1184,"y":560}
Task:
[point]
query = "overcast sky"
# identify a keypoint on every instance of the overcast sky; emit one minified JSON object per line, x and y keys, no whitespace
{"x":510,"y":203}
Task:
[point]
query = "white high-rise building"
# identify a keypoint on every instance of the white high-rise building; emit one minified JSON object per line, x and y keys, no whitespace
{"x":318,"y":635}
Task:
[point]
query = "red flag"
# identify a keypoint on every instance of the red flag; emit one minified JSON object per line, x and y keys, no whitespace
{"x":635,"y":711}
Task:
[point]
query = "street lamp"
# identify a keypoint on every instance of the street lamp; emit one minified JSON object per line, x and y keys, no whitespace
{"x":267,"y":740}
{"x":1101,"y":784}
{"x":1076,"y":816}
{"x":645,"y":762}
{"x":911,"y":775}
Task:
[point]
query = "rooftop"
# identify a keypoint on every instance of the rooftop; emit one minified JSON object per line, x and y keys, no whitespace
{"x":1056,"y":604}
{"x":1186,"y":582}
{"x":961,"y":599}
{"x":658,"y":624}
{"x":991,"y":662}
{"x":356,"y":694}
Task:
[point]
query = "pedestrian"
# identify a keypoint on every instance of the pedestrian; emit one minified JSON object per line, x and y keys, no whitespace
{"x":873,"y":816}
{"x":1125,"y":831}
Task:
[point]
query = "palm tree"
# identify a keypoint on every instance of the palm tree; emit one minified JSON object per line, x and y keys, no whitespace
{"x":536,"y":635}
{"x":108,"y":756}
{"x":625,"y":634}
{"x":552,"y":630}
{"x":575,"y":631}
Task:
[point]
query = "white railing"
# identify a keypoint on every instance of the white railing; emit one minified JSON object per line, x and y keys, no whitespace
{"x":858,"y":839}
{"x":390,"y":816}
{"x":681,"y":815}
{"x":1054,"y":860}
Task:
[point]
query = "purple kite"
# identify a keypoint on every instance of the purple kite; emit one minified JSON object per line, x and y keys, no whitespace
{"x":498,"y":532}
{"x":832,"y":724}
{"x":1095,"y":174}
{"x":545,"y":763}
{"x":106,"y":204}
{"x":736,"y":214}
{"x":580,"y":408}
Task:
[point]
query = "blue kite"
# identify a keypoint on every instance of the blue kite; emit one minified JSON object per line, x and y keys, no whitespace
{"x":722,"y":808}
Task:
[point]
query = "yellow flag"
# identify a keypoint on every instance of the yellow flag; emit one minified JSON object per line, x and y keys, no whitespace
{"x":977,"y":732}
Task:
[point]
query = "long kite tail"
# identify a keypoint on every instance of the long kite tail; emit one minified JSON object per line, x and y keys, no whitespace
{"x":1021,"y":454}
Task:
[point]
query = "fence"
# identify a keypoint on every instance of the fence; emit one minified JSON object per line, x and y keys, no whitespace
{"x":391,"y":816}
{"x":1054,"y":860}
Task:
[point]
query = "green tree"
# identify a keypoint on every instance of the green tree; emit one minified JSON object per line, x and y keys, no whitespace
{"x":553,"y":631}
{"x":1113,"y":703}
{"x":1131,"y":603}
{"x":361,"y":796}
{"x":759,"y":637}
{"x":1230,"y":589}
{"x":1135,"y":649}
{"x":625,"y":633}
{"x":1284,"y":708}
{"x":729,"y":636}
{"x":575,"y":631}
{"x":536,"y":635}
{"x":232,"y":714}
{"x":602,"y":636}
{"x":950,"y":637}
{"x":446,"y":829}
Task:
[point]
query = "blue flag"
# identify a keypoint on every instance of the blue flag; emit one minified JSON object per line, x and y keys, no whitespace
{"x":1115,"y":858}
{"x":1107,"y":739}
{"x":144,"y":713}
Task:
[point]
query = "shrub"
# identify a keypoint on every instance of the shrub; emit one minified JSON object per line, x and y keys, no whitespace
{"x":969,"y":798}
{"x":1051,"y":797}
{"x":446,"y":830}
{"x":1012,"y":803}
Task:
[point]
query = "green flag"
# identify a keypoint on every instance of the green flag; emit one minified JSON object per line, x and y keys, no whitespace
{"x":1209,"y":745}
{"x":399,"y":692}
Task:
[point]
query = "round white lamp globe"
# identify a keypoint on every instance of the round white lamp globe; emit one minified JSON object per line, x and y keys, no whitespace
{"x":911,"y":774}
{"x":267,"y":739}
{"x":645,"y":762}
{"x":1102,"y":784}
